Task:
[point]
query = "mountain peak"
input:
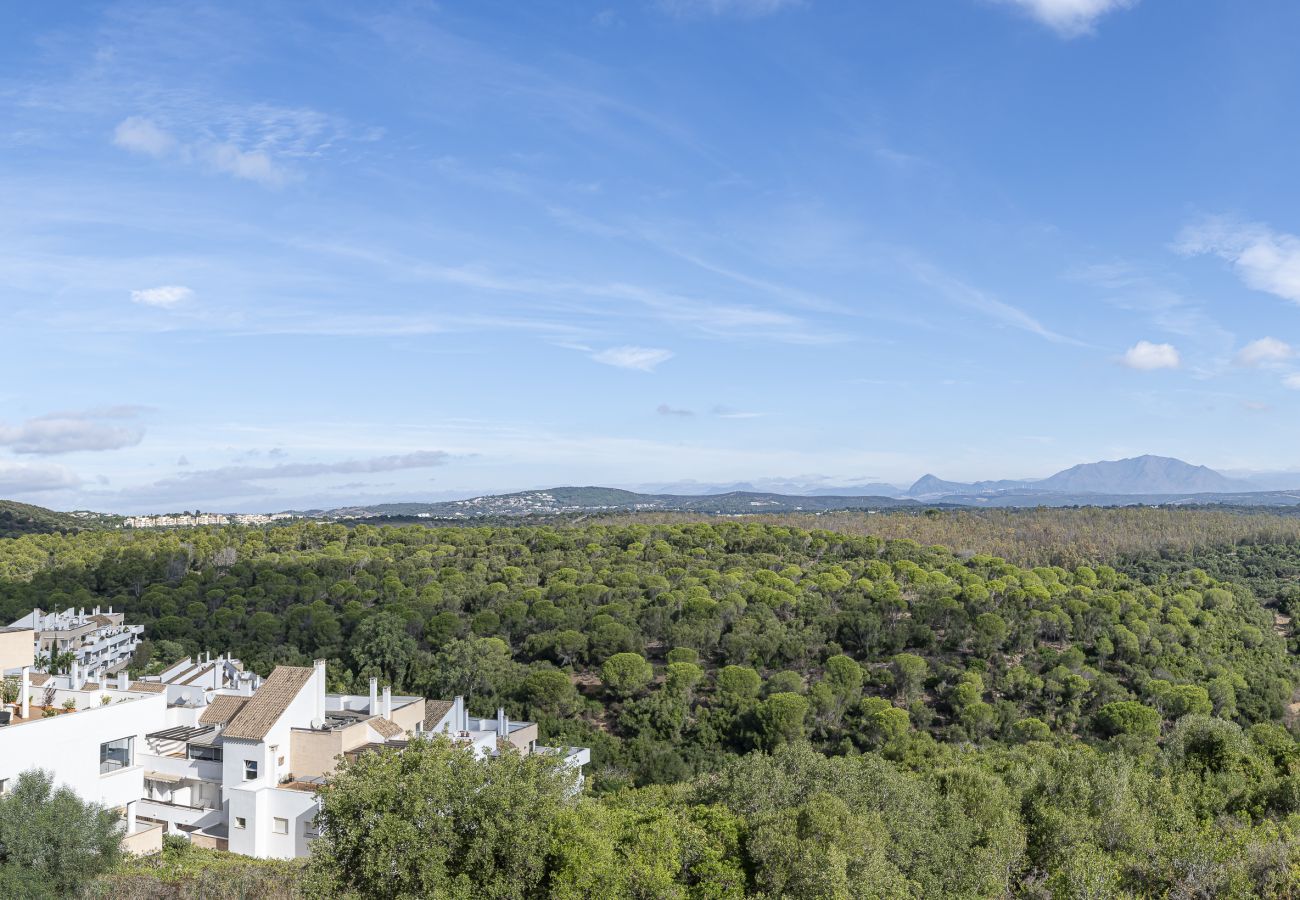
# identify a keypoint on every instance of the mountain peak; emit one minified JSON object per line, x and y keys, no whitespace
{"x":1146,"y":474}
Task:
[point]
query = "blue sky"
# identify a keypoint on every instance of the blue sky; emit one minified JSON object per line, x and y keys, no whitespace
{"x":272,"y":255}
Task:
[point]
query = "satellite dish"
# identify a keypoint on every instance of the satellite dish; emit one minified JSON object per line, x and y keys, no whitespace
{"x":318,"y":724}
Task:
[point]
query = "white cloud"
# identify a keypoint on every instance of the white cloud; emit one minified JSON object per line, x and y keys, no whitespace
{"x":190,"y":486}
{"x":1292,"y":381}
{"x":165,"y":296}
{"x":965,"y":295}
{"x":725,"y":412}
{"x":140,"y":135}
{"x":749,"y":9}
{"x":1147,"y":356}
{"x":1264,"y":351}
{"x":1264,"y":259}
{"x":1070,"y":18}
{"x":21,"y":478}
{"x":69,"y":432}
{"x":642,"y":358}
{"x":255,"y":144}
{"x":251,"y":165}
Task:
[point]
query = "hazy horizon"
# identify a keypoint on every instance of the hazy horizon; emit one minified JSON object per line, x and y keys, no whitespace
{"x":267,"y":256}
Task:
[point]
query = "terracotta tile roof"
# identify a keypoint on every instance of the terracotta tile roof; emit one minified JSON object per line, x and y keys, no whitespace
{"x":101,"y":620}
{"x":222,"y":709}
{"x":434,"y":710}
{"x":37,"y":678}
{"x":268,"y":703}
{"x":148,"y":687}
{"x":387,"y":728}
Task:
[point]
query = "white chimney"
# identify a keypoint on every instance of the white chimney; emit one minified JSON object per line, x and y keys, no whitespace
{"x":374,"y":697}
{"x":74,"y":683}
{"x":320,"y":689}
{"x":25,"y":695}
{"x":502,"y":729}
{"x":388,"y":702}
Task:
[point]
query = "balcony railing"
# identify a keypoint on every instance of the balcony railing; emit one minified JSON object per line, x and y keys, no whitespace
{"x":195,"y":769}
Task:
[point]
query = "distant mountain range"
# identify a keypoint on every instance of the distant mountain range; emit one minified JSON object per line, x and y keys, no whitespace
{"x":1147,"y":480}
{"x":1138,"y":475}
{"x":1140,"y":480}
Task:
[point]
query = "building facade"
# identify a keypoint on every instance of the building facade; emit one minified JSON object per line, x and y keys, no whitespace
{"x":231,"y":762}
{"x":99,"y":641}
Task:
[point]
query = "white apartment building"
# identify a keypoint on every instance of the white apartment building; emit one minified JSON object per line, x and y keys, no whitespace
{"x":100,"y":641}
{"x":230,"y":763}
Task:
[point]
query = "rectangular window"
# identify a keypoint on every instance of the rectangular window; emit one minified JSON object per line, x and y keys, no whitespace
{"x":280,"y":826}
{"x":240,"y":822}
{"x":118,"y":754}
{"x":4,"y":785}
{"x":212,"y":754}
{"x":250,"y":769}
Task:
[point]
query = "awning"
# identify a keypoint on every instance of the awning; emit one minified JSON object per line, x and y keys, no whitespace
{"x":163,"y":777}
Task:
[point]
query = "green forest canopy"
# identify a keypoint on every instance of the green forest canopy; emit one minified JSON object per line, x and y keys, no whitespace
{"x":773,"y":711}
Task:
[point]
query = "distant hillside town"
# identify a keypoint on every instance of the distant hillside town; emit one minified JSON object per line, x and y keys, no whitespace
{"x":187,"y":520}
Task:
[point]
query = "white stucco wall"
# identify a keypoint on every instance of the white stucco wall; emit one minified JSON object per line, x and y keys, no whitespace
{"x":68,"y":746}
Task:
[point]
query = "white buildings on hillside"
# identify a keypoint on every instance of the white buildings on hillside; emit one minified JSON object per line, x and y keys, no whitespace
{"x":190,"y":520}
{"x":206,"y":752}
{"x":99,"y":641}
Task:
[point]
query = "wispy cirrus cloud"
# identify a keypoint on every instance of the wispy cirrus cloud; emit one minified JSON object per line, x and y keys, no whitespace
{"x":664,"y":409}
{"x":642,"y":359}
{"x":1069,"y":18}
{"x":1135,"y":288}
{"x":748,"y":9}
{"x":1266,"y":351}
{"x":726,"y":412}
{"x":258,"y":144}
{"x":165,"y":296}
{"x":1264,"y":259}
{"x":962,"y":294}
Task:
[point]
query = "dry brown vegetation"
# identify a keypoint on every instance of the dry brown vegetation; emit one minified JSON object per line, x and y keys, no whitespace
{"x":1044,"y":536}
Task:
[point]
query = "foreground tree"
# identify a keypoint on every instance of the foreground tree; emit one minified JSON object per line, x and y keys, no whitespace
{"x":52,"y":842}
{"x":434,"y":821}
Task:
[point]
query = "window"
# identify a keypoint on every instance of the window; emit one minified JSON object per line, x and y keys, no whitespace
{"x":4,"y":786}
{"x":250,"y":769}
{"x":194,"y":751}
{"x":280,"y":826}
{"x":117,"y":754}
{"x":241,"y":822}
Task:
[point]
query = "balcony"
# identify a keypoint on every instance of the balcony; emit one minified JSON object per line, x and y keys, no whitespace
{"x":175,"y":814}
{"x":180,"y":767}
